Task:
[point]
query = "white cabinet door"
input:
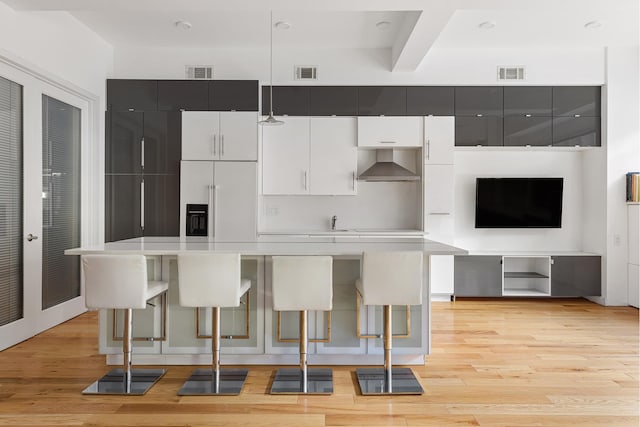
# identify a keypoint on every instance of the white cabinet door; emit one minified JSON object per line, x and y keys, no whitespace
{"x":235,"y":201}
{"x":333,"y":156}
{"x":196,"y":181}
{"x":239,"y":136}
{"x":439,"y":140}
{"x":390,"y":132}
{"x":438,"y":202}
{"x":200,"y":135}
{"x":441,"y":274}
{"x":285,"y":157}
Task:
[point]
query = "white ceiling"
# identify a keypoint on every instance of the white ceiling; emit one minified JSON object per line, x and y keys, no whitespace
{"x":416,"y":25}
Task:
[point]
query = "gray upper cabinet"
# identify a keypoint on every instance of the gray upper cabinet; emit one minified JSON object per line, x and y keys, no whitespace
{"x":477,"y":276}
{"x":527,"y":101}
{"x":233,"y":95}
{"x":382,"y":101}
{"x":132,"y":95}
{"x":123,"y":142}
{"x":162,"y":142}
{"x":573,"y":276}
{"x":479,"y":101}
{"x":333,"y":101}
{"x":287,"y":100}
{"x":576,"y":131}
{"x":475,"y":131}
{"x":576,"y":101}
{"x":527,"y":131}
{"x":430,"y":101}
{"x":182,"y":95}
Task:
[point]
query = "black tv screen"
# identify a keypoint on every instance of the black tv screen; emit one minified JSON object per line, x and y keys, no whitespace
{"x":518,"y":202}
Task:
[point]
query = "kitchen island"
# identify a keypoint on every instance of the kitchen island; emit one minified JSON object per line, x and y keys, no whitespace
{"x":258,"y":337}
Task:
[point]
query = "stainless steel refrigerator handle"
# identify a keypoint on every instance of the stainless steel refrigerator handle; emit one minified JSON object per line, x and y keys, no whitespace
{"x":221,"y":145}
{"x":142,"y":152}
{"x":214,"y":144}
{"x":142,"y":204}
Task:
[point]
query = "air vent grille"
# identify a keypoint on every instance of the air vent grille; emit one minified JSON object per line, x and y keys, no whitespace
{"x":199,"y":72}
{"x":511,"y":73}
{"x":306,"y":72}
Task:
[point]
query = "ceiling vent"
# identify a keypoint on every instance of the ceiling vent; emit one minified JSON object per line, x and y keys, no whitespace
{"x":511,"y":73}
{"x":306,"y":72}
{"x":199,"y":72}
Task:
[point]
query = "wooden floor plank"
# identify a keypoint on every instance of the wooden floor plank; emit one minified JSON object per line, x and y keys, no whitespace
{"x":502,"y":362}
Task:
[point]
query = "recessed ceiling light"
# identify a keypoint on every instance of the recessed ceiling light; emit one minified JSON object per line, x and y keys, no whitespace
{"x":593,"y":24}
{"x":282,"y":25}
{"x":487,"y":25}
{"x":383,"y":25}
{"x":184,"y":25}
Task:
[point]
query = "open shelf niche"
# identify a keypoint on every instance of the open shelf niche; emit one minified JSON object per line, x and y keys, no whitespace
{"x":526,"y":275}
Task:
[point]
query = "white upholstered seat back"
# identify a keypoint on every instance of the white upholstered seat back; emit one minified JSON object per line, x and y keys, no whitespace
{"x":115,"y":281}
{"x":209,"y":280}
{"x":302,"y":283}
{"x":391,"y":278}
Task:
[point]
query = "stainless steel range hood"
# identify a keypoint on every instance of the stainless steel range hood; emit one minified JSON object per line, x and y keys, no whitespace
{"x":385,"y":169}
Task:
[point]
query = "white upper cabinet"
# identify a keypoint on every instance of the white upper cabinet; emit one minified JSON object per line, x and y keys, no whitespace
{"x":315,"y":155}
{"x":285,"y":157}
{"x":439,"y":140}
{"x":212,"y":135}
{"x":390,"y":132}
{"x":334,"y":156}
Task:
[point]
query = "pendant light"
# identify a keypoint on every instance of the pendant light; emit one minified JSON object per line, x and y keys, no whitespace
{"x":271,"y":121}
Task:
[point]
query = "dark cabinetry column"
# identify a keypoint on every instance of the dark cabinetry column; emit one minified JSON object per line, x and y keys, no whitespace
{"x":122,"y":207}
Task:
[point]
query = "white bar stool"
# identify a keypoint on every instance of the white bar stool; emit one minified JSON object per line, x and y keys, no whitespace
{"x":301,"y":283}
{"x":120,"y":282}
{"x":212,"y":280}
{"x":390,"y":278}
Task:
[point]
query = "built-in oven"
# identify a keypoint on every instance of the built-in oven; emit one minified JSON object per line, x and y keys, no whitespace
{"x":197,"y":220}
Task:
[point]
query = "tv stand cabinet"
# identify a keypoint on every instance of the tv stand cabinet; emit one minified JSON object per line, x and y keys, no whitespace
{"x":522,"y":274}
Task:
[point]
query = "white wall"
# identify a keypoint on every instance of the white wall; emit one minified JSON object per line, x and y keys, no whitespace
{"x":470,"y":165}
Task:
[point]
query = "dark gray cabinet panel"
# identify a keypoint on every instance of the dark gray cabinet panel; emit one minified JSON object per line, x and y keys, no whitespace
{"x":473,"y":131}
{"x":124,"y":142}
{"x":479,"y":100}
{"x":478,"y":276}
{"x":188,"y":95}
{"x":572,"y":131}
{"x":382,"y":101}
{"x":522,"y":131}
{"x":333,"y":100}
{"x":123,"y":207}
{"x":574,"y":101}
{"x":287,"y":100}
{"x":430,"y":101}
{"x":574,"y":276}
{"x":127,"y":95}
{"x":233,"y":95}
{"x":527,"y":100}
{"x":162,"y":142}
{"x":161,"y":205}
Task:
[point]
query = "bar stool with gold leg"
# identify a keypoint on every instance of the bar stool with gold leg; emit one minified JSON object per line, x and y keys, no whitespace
{"x":212,"y":280}
{"x":302,"y":283}
{"x":120,"y":282}
{"x":390,"y":278}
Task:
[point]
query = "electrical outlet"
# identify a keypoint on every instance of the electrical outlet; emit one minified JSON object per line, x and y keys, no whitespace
{"x":617,"y":240}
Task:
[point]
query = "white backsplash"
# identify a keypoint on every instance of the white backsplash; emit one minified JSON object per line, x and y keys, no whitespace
{"x":378,"y":205}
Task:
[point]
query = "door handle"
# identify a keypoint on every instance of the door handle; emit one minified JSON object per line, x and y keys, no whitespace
{"x":31,"y":237}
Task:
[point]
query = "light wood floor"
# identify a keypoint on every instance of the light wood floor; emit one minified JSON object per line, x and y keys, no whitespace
{"x":493,"y":363}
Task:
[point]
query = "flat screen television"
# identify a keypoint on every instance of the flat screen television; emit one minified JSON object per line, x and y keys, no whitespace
{"x":519,"y":202}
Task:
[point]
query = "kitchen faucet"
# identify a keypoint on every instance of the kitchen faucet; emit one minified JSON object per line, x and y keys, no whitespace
{"x":334,"y":219}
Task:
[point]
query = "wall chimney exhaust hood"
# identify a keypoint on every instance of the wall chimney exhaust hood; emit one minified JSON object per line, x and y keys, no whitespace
{"x":385,"y":169}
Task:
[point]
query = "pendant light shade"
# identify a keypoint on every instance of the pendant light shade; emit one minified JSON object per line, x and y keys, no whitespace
{"x":270,"y":121}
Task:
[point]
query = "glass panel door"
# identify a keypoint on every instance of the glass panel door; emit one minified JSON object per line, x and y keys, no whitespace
{"x":60,"y":201}
{"x":11,"y":202}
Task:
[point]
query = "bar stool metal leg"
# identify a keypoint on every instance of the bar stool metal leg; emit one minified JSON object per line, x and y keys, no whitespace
{"x":126,"y":380}
{"x":303,"y":380}
{"x":387,"y":380}
{"x":214,"y":381}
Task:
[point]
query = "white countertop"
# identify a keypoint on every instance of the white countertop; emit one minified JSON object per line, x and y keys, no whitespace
{"x":367,"y":232}
{"x":271,"y":245}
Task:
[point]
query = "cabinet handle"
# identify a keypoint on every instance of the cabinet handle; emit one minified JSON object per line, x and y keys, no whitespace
{"x":214,"y":145}
{"x":354,"y":181}
{"x":142,"y":204}
{"x":388,"y":142}
{"x":439,"y":213}
{"x":221,"y":145}
{"x":305,"y":180}
{"x":211,"y":204}
{"x":215,"y":205}
{"x":428,"y":144}
{"x":142,"y":152}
